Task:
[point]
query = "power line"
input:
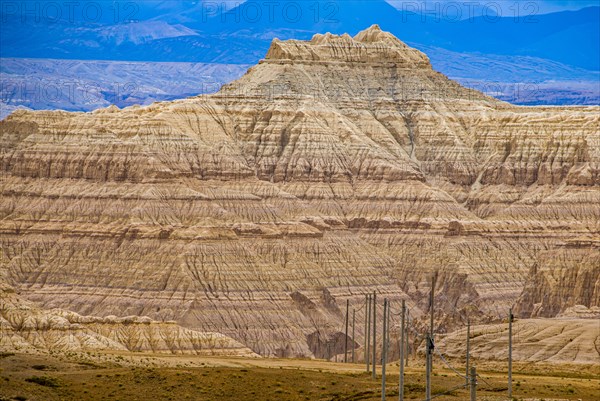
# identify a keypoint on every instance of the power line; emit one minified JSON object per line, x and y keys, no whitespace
{"x":448,"y":364}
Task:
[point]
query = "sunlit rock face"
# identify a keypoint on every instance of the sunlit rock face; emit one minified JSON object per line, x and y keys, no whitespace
{"x":333,"y":168}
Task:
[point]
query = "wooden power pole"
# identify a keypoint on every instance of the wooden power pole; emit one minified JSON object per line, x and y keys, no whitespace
{"x":407,"y":335}
{"x":510,"y":322}
{"x":374,"y":335}
{"x":368,"y":333}
{"x":346,"y":333}
{"x":401,"y":385}
{"x":468,"y":349}
{"x":353,"y":342}
{"x":384,"y":347}
{"x":473,"y":387}
{"x":430,"y":345}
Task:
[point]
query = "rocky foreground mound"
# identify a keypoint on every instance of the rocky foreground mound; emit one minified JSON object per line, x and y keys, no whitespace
{"x":334,"y":168}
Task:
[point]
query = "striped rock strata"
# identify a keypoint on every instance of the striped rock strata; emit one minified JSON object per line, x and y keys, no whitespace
{"x":334,"y":168}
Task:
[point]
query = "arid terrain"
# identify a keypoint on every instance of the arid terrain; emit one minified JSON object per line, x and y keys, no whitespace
{"x":240,"y":223}
{"x":144,"y":377}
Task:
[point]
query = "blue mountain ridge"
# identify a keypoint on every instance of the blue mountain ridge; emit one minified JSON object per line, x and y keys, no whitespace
{"x":193,"y":32}
{"x":173,"y":41}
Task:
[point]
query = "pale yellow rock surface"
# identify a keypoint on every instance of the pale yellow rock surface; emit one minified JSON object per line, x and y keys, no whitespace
{"x":334,"y":168}
{"x":25,"y":328}
{"x":563,"y":340}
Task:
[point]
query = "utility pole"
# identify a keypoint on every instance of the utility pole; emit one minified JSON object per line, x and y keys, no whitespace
{"x":374,"y":335}
{"x":346,"y":336}
{"x":407,"y":336}
{"x":430,"y":345}
{"x":468,"y":349}
{"x":510,"y":322}
{"x":384,"y":347}
{"x":389,"y":319}
{"x":368,"y":332}
{"x":401,"y":386}
{"x":353,"y":341}
{"x":431,"y":297}
{"x":473,"y":384}
{"x":428,"y":369}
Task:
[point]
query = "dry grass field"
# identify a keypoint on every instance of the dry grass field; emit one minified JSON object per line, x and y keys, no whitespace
{"x":149,"y":377}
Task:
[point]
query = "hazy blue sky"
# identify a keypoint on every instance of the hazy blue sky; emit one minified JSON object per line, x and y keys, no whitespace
{"x":544,"y":6}
{"x":507,"y":6}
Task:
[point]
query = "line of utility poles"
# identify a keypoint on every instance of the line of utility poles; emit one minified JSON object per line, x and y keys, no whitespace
{"x":347,"y":323}
{"x":370,"y":344}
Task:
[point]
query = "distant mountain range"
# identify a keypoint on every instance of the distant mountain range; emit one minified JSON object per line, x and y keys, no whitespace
{"x":193,"y":32}
{"x":85,"y":85}
{"x":559,"y":47}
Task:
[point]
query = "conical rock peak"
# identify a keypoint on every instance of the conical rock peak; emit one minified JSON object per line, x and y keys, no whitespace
{"x":369,"y":46}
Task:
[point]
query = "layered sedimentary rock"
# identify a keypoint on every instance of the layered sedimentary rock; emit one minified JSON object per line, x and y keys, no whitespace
{"x":27,"y":328}
{"x":334,"y":168}
{"x":565,"y":340}
{"x":563,"y":278}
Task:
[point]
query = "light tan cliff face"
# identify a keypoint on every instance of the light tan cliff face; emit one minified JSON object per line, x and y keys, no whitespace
{"x":26,"y":328}
{"x":561,"y":340}
{"x":334,"y":168}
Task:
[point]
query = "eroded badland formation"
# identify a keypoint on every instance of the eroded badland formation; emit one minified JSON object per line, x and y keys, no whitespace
{"x":334,"y":168}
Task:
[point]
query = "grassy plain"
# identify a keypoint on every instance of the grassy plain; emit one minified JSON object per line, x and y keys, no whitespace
{"x":142,"y":377}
